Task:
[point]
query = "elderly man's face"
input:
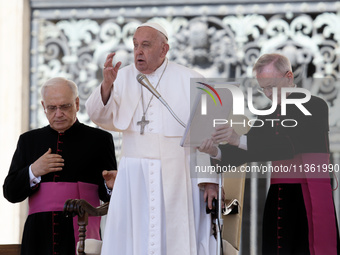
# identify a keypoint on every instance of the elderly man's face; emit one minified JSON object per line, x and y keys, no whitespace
{"x":150,"y":49}
{"x":270,"y":78}
{"x":60,"y":107}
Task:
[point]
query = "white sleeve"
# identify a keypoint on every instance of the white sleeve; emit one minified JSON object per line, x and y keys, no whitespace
{"x":100,"y":114}
{"x":33,"y":180}
{"x":108,"y":191}
{"x":219,"y":154}
{"x":203,"y":159}
{"x":243,"y":143}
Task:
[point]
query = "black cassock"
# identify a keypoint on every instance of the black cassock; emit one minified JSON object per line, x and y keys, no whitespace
{"x":285,"y":221}
{"x":87,"y":152}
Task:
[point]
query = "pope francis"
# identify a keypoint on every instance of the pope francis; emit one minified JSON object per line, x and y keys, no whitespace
{"x":155,"y":207}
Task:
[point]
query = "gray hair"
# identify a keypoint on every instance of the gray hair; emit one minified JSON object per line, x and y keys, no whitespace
{"x":59,"y":80}
{"x":280,"y":62}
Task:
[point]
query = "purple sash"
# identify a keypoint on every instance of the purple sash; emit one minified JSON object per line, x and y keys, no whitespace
{"x":317,"y":194}
{"x":52,"y":196}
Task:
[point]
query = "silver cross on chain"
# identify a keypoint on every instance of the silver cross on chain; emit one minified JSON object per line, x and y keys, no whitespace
{"x":142,"y":124}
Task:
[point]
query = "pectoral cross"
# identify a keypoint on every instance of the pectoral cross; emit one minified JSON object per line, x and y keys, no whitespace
{"x":142,"y":124}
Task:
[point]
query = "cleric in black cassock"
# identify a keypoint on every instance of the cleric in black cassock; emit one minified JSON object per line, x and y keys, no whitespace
{"x":285,"y":221}
{"x":299,"y":216}
{"x":84,"y":153}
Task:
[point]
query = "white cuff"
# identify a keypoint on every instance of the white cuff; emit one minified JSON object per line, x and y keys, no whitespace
{"x":202,"y":181}
{"x":33,"y":180}
{"x":109,"y":191}
{"x":243,"y":143}
{"x":219,"y":154}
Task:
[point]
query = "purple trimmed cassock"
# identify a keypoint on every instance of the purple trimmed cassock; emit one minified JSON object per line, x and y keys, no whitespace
{"x":87,"y":152}
{"x":299,"y":216}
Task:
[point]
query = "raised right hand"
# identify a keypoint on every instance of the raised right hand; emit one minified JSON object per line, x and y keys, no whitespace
{"x":110,"y":75}
{"x":47,"y":163}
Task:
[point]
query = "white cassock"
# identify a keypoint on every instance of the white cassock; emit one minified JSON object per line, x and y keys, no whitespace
{"x":155,"y":207}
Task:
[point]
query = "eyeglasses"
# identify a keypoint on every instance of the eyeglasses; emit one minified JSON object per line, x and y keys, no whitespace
{"x":53,"y":108}
{"x":268,"y":88}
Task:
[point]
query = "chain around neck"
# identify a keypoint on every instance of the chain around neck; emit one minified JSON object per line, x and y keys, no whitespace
{"x":144,"y":111}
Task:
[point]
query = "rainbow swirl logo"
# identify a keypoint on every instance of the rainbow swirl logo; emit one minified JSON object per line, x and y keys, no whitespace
{"x":209,"y":93}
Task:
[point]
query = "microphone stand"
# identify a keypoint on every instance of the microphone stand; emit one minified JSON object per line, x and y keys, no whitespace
{"x":171,"y":111}
{"x":219,"y":219}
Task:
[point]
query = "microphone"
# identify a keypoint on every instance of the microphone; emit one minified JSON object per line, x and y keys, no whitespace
{"x":142,"y":79}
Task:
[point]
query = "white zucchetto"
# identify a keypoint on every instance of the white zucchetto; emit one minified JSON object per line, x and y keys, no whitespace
{"x":155,"y":26}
